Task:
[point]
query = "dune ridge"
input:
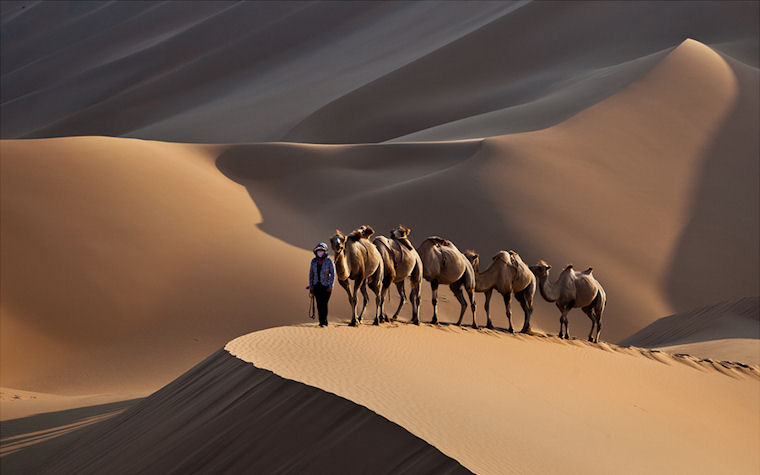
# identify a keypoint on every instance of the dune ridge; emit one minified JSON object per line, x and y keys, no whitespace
{"x":547,"y":400}
{"x":727,"y":330}
{"x":227,"y":415}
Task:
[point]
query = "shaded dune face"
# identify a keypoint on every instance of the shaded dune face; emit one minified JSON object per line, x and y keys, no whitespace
{"x":225,"y":415}
{"x":731,"y":319}
{"x":263,"y":71}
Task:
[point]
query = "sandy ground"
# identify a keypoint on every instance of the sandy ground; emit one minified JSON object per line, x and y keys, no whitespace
{"x":136,"y":240}
{"x":125,"y":261}
{"x":500,"y":403}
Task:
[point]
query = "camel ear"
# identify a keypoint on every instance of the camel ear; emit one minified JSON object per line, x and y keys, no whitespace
{"x":368,"y":231}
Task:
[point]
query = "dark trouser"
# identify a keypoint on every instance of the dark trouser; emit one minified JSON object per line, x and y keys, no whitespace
{"x":322,"y":295}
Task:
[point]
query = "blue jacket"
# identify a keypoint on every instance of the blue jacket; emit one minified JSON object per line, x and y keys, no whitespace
{"x":326,"y":277}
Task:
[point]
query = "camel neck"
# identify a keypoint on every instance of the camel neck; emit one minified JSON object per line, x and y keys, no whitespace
{"x":341,"y":269}
{"x":547,"y":288}
{"x":484,"y":280}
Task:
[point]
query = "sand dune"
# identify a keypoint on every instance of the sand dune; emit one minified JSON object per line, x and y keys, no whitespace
{"x":109,"y":245}
{"x":227,"y":416}
{"x":495,"y":403}
{"x":296,"y":71}
{"x":726,"y":331}
{"x":213,"y":72}
{"x":530,"y":55}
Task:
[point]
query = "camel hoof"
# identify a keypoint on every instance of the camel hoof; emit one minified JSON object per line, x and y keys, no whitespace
{"x":394,"y":318}
{"x":526,"y":331}
{"x":475,"y":326}
{"x":510,"y":330}
{"x":352,"y":323}
{"x":489,"y":325}
{"x":415,"y":322}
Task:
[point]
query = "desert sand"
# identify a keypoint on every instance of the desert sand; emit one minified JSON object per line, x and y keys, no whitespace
{"x":122,"y":235}
{"x":158,"y":199}
{"x":496,"y":403}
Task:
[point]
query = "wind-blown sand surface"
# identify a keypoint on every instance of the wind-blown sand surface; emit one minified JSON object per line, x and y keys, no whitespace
{"x":494,"y":402}
{"x":497,"y":125}
{"x":136,"y":240}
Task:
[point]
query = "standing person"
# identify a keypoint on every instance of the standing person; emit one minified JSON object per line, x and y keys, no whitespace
{"x":321,"y":280}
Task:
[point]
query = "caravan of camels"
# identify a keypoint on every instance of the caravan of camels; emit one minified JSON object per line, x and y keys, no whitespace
{"x":383,"y":261}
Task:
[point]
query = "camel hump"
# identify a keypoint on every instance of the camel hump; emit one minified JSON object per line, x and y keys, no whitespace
{"x":588,"y":271}
{"x":440,"y":241}
{"x":470,"y":254}
{"x":354,"y":236}
{"x":569,"y":267}
{"x":502,"y":255}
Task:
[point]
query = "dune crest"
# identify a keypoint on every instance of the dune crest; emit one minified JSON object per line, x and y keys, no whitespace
{"x":500,"y":403}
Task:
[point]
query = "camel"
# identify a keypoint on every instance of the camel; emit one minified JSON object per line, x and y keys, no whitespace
{"x":401,"y":261}
{"x":358,"y":259}
{"x":443,"y":263}
{"x":571,"y":290}
{"x":507,"y":274}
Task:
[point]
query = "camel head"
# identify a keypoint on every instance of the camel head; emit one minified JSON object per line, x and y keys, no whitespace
{"x":400,"y":232}
{"x":541,"y":269}
{"x":473,"y":257}
{"x":338,"y":242}
{"x":365,"y":231}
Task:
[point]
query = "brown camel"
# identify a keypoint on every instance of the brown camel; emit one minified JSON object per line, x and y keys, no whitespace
{"x":357,"y":259}
{"x":507,"y":274}
{"x":573,"y":290}
{"x":401,"y":261}
{"x":443,"y":263}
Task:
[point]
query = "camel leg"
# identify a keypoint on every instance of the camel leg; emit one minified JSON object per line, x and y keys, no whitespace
{"x":366,"y":298}
{"x":487,"y":306}
{"x":401,"y":296}
{"x":563,"y":322}
{"x":598,"y":327}
{"x":377,"y":288}
{"x":598,"y":311}
{"x":507,"y":304}
{"x":414,"y":300}
{"x":434,"y":290}
{"x":457,"y":289}
{"x":525,"y":297}
{"x":589,"y":311}
{"x":352,"y":301}
{"x":471,"y":295}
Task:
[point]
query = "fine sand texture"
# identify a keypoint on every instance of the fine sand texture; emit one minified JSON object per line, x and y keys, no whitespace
{"x":500,"y":403}
{"x":114,"y":247}
{"x":225,"y":415}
